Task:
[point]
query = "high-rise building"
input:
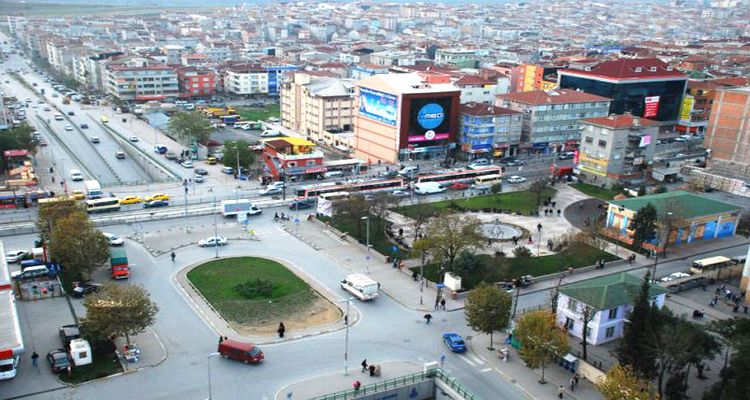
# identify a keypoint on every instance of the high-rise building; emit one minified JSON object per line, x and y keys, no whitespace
{"x":728,"y":134}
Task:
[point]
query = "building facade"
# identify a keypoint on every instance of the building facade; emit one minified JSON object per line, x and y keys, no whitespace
{"x":728,"y":134}
{"x":526,"y":78}
{"x":406,"y":116}
{"x":196,"y":82}
{"x":645,"y":87}
{"x":141,"y":79}
{"x":292,"y":158}
{"x":551,"y":118}
{"x":313,"y":106}
{"x":245,"y":79}
{"x":489,"y":130}
{"x":616,"y":148}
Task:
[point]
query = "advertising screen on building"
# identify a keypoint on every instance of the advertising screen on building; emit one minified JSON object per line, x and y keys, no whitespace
{"x":652,"y":107}
{"x":645,"y":141}
{"x":687,"y":108}
{"x":378,"y":106}
{"x":429,"y":119}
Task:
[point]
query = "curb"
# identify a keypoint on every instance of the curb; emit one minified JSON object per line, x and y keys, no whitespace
{"x":501,"y":373}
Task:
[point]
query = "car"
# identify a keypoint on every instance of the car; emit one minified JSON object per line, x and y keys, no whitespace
{"x":514,"y":162}
{"x":674,"y":276}
{"x":199,"y":178}
{"x":114,"y":240}
{"x":68,"y":128}
{"x":254,"y":211}
{"x":156,"y":203}
{"x":455,"y":342}
{"x":71,"y":113}
{"x":187,"y":164}
{"x":15,"y":255}
{"x":409,"y":170}
{"x":133,"y":138}
{"x":200,"y":171}
{"x":82,"y":289}
{"x":568,"y":155}
{"x":278,"y":184}
{"x":47,"y":109}
{"x":400,"y":193}
{"x":458,"y":186}
{"x":516,"y":179}
{"x":481,"y":187}
{"x":120,"y":155}
{"x":76,"y":175}
{"x":270,"y":191}
{"x":55,"y":95}
{"x":84,"y":126}
{"x":478,"y":163}
{"x":131,"y":200}
{"x":77,"y":195}
{"x":227,"y":170}
{"x":158,"y":149}
{"x":68,"y":333}
{"x":158,"y":196}
{"x":212,"y":241}
{"x":95,"y":139}
{"x":300,"y":205}
{"x":58,"y":360}
{"x":390,"y":174}
{"x":270,"y":133}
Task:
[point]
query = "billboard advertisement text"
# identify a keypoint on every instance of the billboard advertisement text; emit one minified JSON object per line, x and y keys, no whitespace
{"x":378,"y":106}
{"x":652,"y":107}
{"x":429,"y":119}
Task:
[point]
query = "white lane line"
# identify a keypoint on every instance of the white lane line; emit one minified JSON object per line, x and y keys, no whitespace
{"x":477,"y":359}
{"x":488,"y":369}
{"x":468,"y":361}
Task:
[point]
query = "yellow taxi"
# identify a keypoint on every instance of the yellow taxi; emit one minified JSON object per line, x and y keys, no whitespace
{"x":104,"y":119}
{"x":131,"y":200}
{"x":157,"y":196}
{"x":211,"y":160}
{"x":77,"y":195}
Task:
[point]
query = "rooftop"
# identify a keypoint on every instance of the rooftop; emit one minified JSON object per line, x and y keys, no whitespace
{"x":558,"y":96}
{"x":688,"y":205}
{"x":481,"y":110}
{"x":628,"y":69}
{"x":619,"y":121}
{"x":407,"y":83}
{"x":609,"y":291}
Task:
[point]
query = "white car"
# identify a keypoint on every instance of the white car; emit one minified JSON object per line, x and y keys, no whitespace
{"x":187,"y":164}
{"x":15,"y":255}
{"x":213,"y":241}
{"x":400,"y":193}
{"x":68,"y":128}
{"x":270,"y":191}
{"x":198,"y":178}
{"x":76,"y":175}
{"x":270,"y":133}
{"x":113,"y":239}
{"x":516,"y":179}
{"x":133,"y":139}
{"x":674,"y":276}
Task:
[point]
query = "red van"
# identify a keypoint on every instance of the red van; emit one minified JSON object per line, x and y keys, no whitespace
{"x":245,"y":352}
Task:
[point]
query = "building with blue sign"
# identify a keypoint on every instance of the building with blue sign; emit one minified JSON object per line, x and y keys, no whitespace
{"x":489,"y":130}
{"x":276,"y":77}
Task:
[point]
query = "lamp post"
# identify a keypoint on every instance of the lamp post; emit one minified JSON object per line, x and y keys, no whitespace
{"x":216,"y":227}
{"x":421,"y":277}
{"x":493,"y":314}
{"x":208,"y":362}
{"x":186,"y":208}
{"x":367,"y":235}
{"x":346,"y":340}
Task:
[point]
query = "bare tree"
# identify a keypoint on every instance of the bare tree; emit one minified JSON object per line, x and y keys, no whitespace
{"x":671,"y":218}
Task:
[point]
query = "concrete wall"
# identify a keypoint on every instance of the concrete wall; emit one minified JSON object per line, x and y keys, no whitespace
{"x":418,"y":391}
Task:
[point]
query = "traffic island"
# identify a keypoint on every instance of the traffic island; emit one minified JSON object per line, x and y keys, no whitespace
{"x":253,"y":295}
{"x":104,"y":363}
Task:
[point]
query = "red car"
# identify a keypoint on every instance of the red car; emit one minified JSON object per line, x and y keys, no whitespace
{"x":458,"y":186}
{"x":245,"y":352}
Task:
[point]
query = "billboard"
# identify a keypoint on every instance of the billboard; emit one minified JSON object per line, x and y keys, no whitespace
{"x":429,"y":119}
{"x":645,"y":141}
{"x":378,"y":106}
{"x":652,"y":107}
{"x":687,"y":108}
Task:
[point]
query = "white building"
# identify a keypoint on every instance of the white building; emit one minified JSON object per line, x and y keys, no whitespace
{"x":245,"y":79}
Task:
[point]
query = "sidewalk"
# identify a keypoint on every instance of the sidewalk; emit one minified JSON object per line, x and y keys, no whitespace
{"x":515,"y":371}
{"x":151,"y":347}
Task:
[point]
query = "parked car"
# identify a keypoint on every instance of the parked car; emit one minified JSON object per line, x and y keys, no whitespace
{"x":200,"y":171}
{"x":213,"y":241}
{"x":300,"y":205}
{"x":156,"y":203}
{"x":516,"y":179}
{"x":455,"y":342}
{"x":68,"y":333}
{"x":270,"y":191}
{"x":227,"y":170}
{"x":83,"y":289}
{"x":58,"y":360}
{"x":158,"y":196}
{"x":114,"y":240}
{"x":15,"y":255}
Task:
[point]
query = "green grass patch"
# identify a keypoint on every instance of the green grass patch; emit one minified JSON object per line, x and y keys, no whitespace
{"x":491,"y":269}
{"x":521,"y":202}
{"x":358,"y":230}
{"x":103,"y":364}
{"x":259,"y":114}
{"x":595,"y":191}
{"x":217,"y":281}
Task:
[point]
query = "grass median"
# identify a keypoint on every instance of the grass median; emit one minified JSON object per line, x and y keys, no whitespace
{"x":259,"y":114}
{"x":595,"y":191}
{"x":524,"y":202}
{"x":104,"y":363}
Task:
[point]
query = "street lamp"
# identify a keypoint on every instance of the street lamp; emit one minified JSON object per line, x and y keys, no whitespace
{"x":493,"y":314}
{"x":346,"y":341}
{"x":186,"y":208}
{"x":421,"y":277}
{"x":216,"y":227}
{"x":367,"y":266}
{"x":208,"y":362}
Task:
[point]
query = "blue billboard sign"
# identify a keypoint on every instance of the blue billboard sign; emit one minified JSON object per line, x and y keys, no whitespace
{"x":378,"y":106}
{"x":430,"y":116}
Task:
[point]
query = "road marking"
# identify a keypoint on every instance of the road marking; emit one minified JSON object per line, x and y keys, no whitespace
{"x":477,"y":359}
{"x":488,"y":369}
{"x":468,"y":361}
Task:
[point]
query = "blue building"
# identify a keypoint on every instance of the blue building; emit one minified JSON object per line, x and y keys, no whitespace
{"x":486,"y":130}
{"x":275,"y":76}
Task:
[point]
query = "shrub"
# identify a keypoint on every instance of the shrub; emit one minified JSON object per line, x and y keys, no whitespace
{"x":496,"y":188}
{"x":465,"y":262}
{"x":521,"y":252}
{"x":254,"y":289}
{"x":660,"y":189}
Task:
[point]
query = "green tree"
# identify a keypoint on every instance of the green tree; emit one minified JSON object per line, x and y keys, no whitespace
{"x":118,"y":311}
{"x":235,"y":148}
{"x":50,"y":213}
{"x":622,"y":383}
{"x":19,"y":138}
{"x":733,"y":383}
{"x":539,"y":188}
{"x":643,"y":225}
{"x":542,"y":341}
{"x":635,"y":348}
{"x":190,"y":126}
{"x":487,"y":309}
{"x":449,"y":234}
{"x":496,"y":188}
{"x":77,"y":245}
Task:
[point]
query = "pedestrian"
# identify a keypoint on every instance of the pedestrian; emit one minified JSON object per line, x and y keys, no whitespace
{"x":575,"y":378}
{"x":221,"y":339}
{"x":745,"y":309}
{"x":281,"y":329}
{"x":364,"y":365}
{"x":173,"y":256}
{"x":70,"y":370}
{"x":371,"y":368}
{"x":572,"y":385}
{"x":35,"y":357}
{"x":736,"y":308}
{"x":400,"y":232}
{"x":356,"y":385}
{"x":427,"y":318}
{"x":442,"y":304}
{"x":560,"y":391}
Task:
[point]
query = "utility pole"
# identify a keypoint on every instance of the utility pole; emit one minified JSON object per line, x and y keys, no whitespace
{"x":186,"y":209}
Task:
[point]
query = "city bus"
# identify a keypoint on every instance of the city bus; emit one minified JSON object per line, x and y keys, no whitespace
{"x":710,"y":264}
{"x":102,"y":205}
{"x":351,"y":187}
{"x":488,"y":179}
{"x":465,"y":176}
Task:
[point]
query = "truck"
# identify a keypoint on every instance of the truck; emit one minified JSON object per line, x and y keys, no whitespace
{"x":561,"y":171}
{"x":118,"y":261}
{"x":11,"y":341}
{"x":93,"y":189}
{"x":234,"y":207}
{"x":217,"y":112}
{"x":361,"y":286}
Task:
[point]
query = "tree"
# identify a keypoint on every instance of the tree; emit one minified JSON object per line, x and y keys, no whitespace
{"x":235,"y":148}
{"x":587,"y":314}
{"x":449,"y":234}
{"x":643,"y":225}
{"x":19,"y":138}
{"x":733,"y":383}
{"x":190,"y":126}
{"x":118,"y":311}
{"x":496,"y":188}
{"x":51,"y":213}
{"x":351,"y":209}
{"x":77,"y":245}
{"x":538,"y":188}
{"x":487,"y":309}
{"x":419,"y":218}
{"x":380,"y":204}
{"x":622,"y":383}
{"x":634,"y":349}
{"x":541,"y":339}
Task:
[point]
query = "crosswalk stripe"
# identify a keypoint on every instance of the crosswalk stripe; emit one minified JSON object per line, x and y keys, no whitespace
{"x":468,"y":361}
{"x":477,"y":359}
{"x":488,"y":369}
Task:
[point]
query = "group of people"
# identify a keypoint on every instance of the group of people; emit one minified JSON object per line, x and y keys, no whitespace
{"x":282,"y":217}
{"x":631,"y":258}
{"x":729,"y":295}
{"x":373,"y":369}
{"x":600,"y":264}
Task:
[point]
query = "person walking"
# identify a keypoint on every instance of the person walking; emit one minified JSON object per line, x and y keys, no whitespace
{"x":560,"y":392}
{"x":281,"y":329}
{"x":575,"y":378}
{"x":364,"y":365}
{"x":427,"y":318}
{"x":34,"y":358}
{"x":173,"y":256}
{"x":356,"y":385}
{"x":221,"y":339}
{"x":442,"y":304}
{"x":572,"y":384}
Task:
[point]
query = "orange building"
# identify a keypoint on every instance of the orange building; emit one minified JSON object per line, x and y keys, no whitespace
{"x":526,"y":78}
{"x":728,"y":134}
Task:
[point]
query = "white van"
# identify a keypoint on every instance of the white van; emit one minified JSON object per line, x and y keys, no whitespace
{"x":361,"y":286}
{"x":30,"y":272}
{"x":428,"y":188}
{"x":270,"y":133}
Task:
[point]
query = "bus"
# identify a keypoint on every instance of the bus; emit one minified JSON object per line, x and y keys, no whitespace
{"x":334,"y":196}
{"x":102,"y":205}
{"x":710,"y":264}
{"x":488,"y":179}
{"x":351,"y":187}
{"x":465,"y":176}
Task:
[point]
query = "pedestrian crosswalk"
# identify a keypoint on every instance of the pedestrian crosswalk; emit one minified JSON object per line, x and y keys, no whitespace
{"x":473,"y":360}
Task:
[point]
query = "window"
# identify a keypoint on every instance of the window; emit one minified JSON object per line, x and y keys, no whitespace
{"x":589,"y":139}
{"x":609,"y":332}
{"x":588,"y":331}
{"x":573,"y":305}
{"x":570,"y":324}
{"x":603,"y":143}
{"x":613,"y":313}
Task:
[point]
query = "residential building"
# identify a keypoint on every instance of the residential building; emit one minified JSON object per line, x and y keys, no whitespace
{"x":616,"y":149}
{"x":460,"y":58}
{"x":475,"y":89}
{"x":362,"y":71}
{"x":406,"y":116}
{"x":276,"y":75}
{"x":526,"y":78}
{"x":683,"y":218}
{"x":728,"y":133}
{"x":551,"y":119}
{"x":141,"y":79}
{"x":196,"y":82}
{"x":314,"y":105}
{"x":644,"y":87}
{"x":292,"y":158}
{"x":245,"y":79}
{"x":605,"y":302}
{"x":489,"y":130}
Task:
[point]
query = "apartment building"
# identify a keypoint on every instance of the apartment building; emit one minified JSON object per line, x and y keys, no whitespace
{"x":196,"y":82}
{"x":489,"y":130}
{"x":551,"y":118}
{"x":460,"y":58}
{"x":245,"y":79}
{"x":728,"y":134}
{"x":526,"y":78}
{"x":317,"y":106}
{"x":141,"y":79}
{"x":616,"y":148}
{"x":475,"y":89}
